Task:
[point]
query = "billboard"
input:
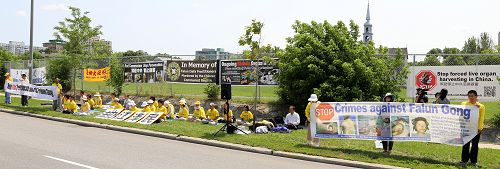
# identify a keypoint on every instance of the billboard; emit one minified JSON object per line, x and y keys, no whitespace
{"x":192,"y":71}
{"x":144,"y":72}
{"x":241,"y":72}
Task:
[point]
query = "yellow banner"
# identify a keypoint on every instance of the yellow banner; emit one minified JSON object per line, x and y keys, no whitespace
{"x":96,"y":75}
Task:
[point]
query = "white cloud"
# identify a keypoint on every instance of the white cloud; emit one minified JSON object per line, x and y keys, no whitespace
{"x":21,"y":13}
{"x":55,"y":7}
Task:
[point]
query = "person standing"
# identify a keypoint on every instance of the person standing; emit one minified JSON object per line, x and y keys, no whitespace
{"x":56,"y":104}
{"x":470,"y":152}
{"x":310,"y":140}
{"x":8,"y":79}
{"x":442,"y":97}
{"x":292,"y":119}
{"x":24,"y":98}
{"x":387,"y":145}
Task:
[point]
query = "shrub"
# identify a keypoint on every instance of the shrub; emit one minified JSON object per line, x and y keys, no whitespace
{"x":212,"y":91}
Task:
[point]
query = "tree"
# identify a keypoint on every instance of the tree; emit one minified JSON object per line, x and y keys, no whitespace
{"x":330,"y":61}
{"x":60,"y":67}
{"x":430,"y":61}
{"x":117,"y":77}
{"x":485,"y":42}
{"x":26,"y":56}
{"x":80,"y":38}
{"x":4,"y":56}
{"x":452,"y":60}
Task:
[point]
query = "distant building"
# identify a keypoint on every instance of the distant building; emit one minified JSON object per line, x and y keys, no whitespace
{"x":54,"y":46}
{"x":98,"y":39}
{"x":367,"y":34}
{"x":212,"y":54}
{"x":19,"y":48}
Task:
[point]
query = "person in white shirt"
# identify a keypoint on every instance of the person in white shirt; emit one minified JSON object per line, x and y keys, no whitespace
{"x":292,"y":119}
{"x":24,"y":98}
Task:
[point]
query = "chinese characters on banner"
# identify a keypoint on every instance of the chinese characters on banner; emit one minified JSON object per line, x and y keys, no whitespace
{"x":96,"y":75}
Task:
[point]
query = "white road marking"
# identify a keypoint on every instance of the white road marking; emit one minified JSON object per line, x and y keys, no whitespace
{"x":70,"y":162}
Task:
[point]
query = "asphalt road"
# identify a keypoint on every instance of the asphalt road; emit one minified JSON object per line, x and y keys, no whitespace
{"x":27,"y":142}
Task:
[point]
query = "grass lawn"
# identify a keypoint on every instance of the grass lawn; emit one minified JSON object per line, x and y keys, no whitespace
{"x":240,"y":93}
{"x":405,"y":154}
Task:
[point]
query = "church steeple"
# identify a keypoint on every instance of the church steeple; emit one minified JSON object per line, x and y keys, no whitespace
{"x":367,"y":35}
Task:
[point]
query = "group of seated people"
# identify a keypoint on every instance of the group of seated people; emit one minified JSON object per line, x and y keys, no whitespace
{"x":211,"y":116}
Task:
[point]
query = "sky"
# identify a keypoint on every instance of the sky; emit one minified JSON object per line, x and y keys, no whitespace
{"x":182,"y":27}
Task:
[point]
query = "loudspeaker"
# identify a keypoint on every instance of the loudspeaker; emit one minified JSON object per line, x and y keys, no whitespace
{"x":225,"y":91}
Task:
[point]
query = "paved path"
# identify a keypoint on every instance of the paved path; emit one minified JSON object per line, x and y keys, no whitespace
{"x":27,"y":142}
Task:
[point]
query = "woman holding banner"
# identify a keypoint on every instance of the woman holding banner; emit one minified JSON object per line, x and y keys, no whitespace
{"x":310,"y":140}
{"x":8,"y":79}
{"x":387,"y":145}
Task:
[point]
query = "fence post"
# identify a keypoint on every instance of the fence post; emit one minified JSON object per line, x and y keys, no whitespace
{"x":413,"y":77}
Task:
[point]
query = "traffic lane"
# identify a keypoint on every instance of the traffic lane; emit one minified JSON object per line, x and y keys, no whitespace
{"x":111,"y":149}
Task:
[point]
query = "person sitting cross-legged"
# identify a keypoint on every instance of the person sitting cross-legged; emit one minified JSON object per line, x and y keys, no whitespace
{"x":292,"y":119}
{"x":70,"y":106}
{"x":198,"y":114}
{"x":183,"y":111}
{"x":212,"y":114}
{"x":246,"y":117}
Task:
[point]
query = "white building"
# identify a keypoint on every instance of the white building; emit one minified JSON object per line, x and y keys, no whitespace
{"x":19,"y":48}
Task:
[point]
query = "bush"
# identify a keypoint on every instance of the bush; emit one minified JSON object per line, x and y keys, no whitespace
{"x":495,"y":121}
{"x":117,"y":77}
{"x":60,"y":68}
{"x":212,"y":91}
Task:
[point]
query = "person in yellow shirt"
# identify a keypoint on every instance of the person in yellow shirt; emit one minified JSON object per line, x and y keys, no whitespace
{"x":212,"y":113}
{"x":246,"y":117}
{"x":56,"y":104}
{"x":183,"y":111}
{"x":85,"y":106}
{"x":149,"y":107}
{"x":118,"y":105}
{"x":113,"y":99}
{"x":198,"y":114}
{"x":162,"y":109}
{"x":98,"y":100}
{"x":91,"y":101}
{"x":8,"y":79}
{"x":310,"y":140}
{"x":170,"y":109}
{"x":473,"y":152}
{"x":155,"y":103}
{"x":71,"y":106}
{"x":133,"y":107}
{"x":227,"y":113}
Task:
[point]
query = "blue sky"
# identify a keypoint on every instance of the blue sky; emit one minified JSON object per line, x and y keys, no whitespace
{"x":181,"y":27}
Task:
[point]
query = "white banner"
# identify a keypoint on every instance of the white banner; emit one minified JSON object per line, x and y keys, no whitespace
{"x":39,"y":92}
{"x":38,"y":75}
{"x":446,"y":124}
{"x":457,"y":79}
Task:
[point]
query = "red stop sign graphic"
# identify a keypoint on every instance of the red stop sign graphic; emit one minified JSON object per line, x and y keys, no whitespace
{"x":426,"y":79}
{"x":325,"y":112}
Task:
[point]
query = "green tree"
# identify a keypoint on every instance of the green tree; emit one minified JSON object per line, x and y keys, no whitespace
{"x":61,"y":68}
{"x":330,"y":61}
{"x":81,"y":44}
{"x":4,"y":56}
{"x":454,"y":59}
{"x":117,"y":76}
{"x":485,"y":42}
{"x":26,"y":56}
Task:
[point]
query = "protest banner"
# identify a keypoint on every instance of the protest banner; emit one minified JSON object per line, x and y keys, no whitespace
{"x":109,"y":113}
{"x":192,"y":71}
{"x":144,"y":72}
{"x":150,"y":118}
{"x":96,"y":75}
{"x":38,"y":75}
{"x":241,"y":72}
{"x":446,"y":124}
{"x":457,"y":79}
{"x":39,"y":92}
{"x":136,"y":117}
{"x":123,"y":115}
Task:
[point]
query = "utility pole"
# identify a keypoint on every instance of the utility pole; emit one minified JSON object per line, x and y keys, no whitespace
{"x":31,"y":44}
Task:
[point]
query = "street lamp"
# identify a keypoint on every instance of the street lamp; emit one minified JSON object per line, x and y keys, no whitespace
{"x":31,"y":44}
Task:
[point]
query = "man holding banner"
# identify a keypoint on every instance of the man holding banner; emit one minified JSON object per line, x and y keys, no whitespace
{"x":56,"y":104}
{"x":472,"y":154}
{"x":24,"y":98}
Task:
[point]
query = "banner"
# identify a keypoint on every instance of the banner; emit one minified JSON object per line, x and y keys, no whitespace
{"x":136,"y":117}
{"x":150,"y":118}
{"x":447,"y":124}
{"x":109,"y":113}
{"x":39,"y":92}
{"x":123,"y":115}
{"x":38,"y":75}
{"x":457,"y":79}
{"x":192,"y":71}
{"x":96,"y":75}
{"x":241,"y":72}
{"x":144,"y":72}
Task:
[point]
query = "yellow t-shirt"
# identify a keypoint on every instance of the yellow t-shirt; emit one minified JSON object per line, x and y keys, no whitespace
{"x":246,"y":116}
{"x":113,"y":101}
{"x":98,"y":102}
{"x":170,"y":109}
{"x":134,"y":109}
{"x":213,"y":114}
{"x":72,"y":106}
{"x":482,"y":111}
{"x":85,"y":107}
{"x":200,"y":114}
{"x":147,"y":109}
{"x":59,"y":87}
{"x":155,"y":104}
{"x":10,"y":79}
{"x":118,"y":106}
{"x":184,"y":112}
{"x":91,"y":102}
{"x":162,"y":109}
{"x":230,"y":116}
{"x":65,"y":103}
{"x":308,"y":108}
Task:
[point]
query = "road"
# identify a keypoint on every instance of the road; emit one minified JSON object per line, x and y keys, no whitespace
{"x":27,"y":142}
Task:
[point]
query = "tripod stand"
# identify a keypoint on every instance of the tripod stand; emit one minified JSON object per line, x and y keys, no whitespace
{"x":228,"y":122}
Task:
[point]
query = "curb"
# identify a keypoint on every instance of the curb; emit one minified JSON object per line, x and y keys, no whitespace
{"x":214,"y":143}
